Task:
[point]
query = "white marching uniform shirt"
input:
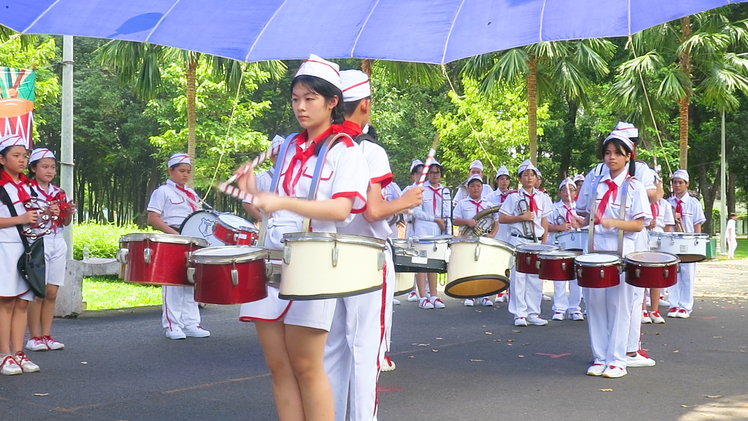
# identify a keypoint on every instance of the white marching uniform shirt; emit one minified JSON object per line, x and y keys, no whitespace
{"x":468,"y":208}
{"x":12,"y":285}
{"x":179,"y":308}
{"x":434,"y":205}
{"x":498,"y":198}
{"x":392,"y":192}
{"x":609,"y":309}
{"x":525,"y":290}
{"x":680,"y":295}
{"x":361,"y":326}
{"x":564,"y":301}
{"x":341,"y":176}
{"x":55,"y":248}
{"x":664,"y":215}
{"x":409,"y":220}
{"x":463,"y":194}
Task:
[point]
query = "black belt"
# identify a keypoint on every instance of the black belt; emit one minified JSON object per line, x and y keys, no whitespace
{"x":527,"y":238}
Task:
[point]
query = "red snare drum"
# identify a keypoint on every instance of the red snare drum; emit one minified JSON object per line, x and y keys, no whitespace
{"x":598,"y":270}
{"x":229,"y":275}
{"x":651,"y":269}
{"x":157,"y":259}
{"x":527,"y":256}
{"x":557,"y":265}
{"x":235,"y":231}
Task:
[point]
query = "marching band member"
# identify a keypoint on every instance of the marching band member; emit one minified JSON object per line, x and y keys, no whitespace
{"x":578,"y":181}
{"x":502,"y":180}
{"x":549,"y":205}
{"x":169,"y":206}
{"x":476,"y":168}
{"x":15,"y":293}
{"x":731,"y":236}
{"x":526,"y":290}
{"x":662,"y":221}
{"x":690,"y":215}
{"x":429,"y":222}
{"x":41,"y":312}
{"x":392,"y":192}
{"x":416,"y":168}
{"x":265,"y":178}
{"x":561,"y":220}
{"x":609,"y":310}
{"x":293,"y":334}
{"x":464,"y":214}
{"x":362,"y":323}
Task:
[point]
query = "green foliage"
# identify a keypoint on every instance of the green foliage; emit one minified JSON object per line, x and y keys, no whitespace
{"x":102,"y":240}
{"x":108,"y":293}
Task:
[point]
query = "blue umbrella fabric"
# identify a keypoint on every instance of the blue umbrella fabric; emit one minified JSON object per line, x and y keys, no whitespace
{"x":428,"y":31}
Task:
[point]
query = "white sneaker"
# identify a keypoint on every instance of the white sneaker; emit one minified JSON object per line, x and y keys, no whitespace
{"x":486,"y":302}
{"x":500,"y":297}
{"x":596,"y":370}
{"x":559,"y":315}
{"x":520,"y":321}
{"x":645,"y":318}
{"x":533,"y":319}
{"x":53,"y":344}
{"x":656,"y":318}
{"x":10,"y":367}
{"x":412,"y":296}
{"x":395,"y":302}
{"x":639,"y":360}
{"x":175,"y":333}
{"x":388,"y":364}
{"x":673,"y":312}
{"x":614,"y":372}
{"x":683,"y":314}
{"x":36,"y":344}
{"x":425,"y":304}
{"x":577,"y":316}
{"x":26,"y":365}
{"x":546,"y":298}
{"x":195,"y":332}
{"x":469,"y":302}
{"x":437,"y":302}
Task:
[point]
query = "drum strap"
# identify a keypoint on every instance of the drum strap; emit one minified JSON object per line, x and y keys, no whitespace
{"x":274,"y":186}
{"x":622,"y":213}
{"x":593,"y":210}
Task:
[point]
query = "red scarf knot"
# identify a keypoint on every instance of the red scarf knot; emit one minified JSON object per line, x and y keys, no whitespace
{"x":189,"y":195}
{"x":23,"y":195}
{"x":477,"y":205}
{"x":531,"y":200}
{"x":302,"y":155}
{"x":612,"y":190}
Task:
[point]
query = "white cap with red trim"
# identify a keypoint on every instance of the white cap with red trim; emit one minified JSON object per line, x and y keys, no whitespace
{"x":179,"y":158}
{"x":321,"y":68}
{"x":628,"y":129}
{"x":12,"y":140}
{"x":578,"y":177}
{"x":474,"y":177}
{"x":503,"y":170}
{"x":620,"y":135}
{"x":476,"y":164}
{"x":682,"y":174}
{"x":527,"y":165}
{"x":415,"y":163}
{"x":564,"y":182}
{"x":40,"y":153}
{"x":356,"y":85}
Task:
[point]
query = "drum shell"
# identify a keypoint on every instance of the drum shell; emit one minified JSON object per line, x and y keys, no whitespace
{"x":403,"y":283}
{"x":243,"y":236}
{"x":689,"y":247}
{"x":168,"y":259}
{"x":527,"y":257}
{"x":310,"y":271}
{"x":478,"y":267}
{"x":603,"y":275}
{"x":556,"y":268}
{"x":214,"y":280}
{"x":201,"y":224}
{"x":572,"y":240}
{"x":647,"y":275}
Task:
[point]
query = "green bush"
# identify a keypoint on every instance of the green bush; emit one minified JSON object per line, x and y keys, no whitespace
{"x":102,"y":240}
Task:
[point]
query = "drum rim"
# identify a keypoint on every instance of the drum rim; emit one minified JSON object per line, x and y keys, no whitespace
{"x":682,"y":234}
{"x":572,"y":232}
{"x":522,"y":248}
{"x":484,"y":240}
{"x":361,"y":240}
{"x":617,"y":260}
{"x":430,"y":239}
{"x":164,"y":238}
{"x":495,"y":277}
{"x":631,"y":261}
{"x":252,"y":227}
{"x":557,"y":255}
{"x":252,"y":254}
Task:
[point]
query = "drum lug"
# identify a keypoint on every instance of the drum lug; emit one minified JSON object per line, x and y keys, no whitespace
{"x":665,"y":273}
{"x":147,"y":252}
{"x":563,"y":266}
{"x":477,"y":252}
{"x":447,"y":255}
{"x":579,"y":273}
{"x":191,"y":275}
{"x":335,"y":255}
{"x":602,"y":274}
{"x":380,"y":261}
{"x":287,"y":255}
{"x":122,"y":255}
{"x":235,"y":277}
{"x":187,"y":257}
{"x":527,"y":260}
{"x":678,"y":268}
{"x":268,"y":269}
{"x":435,"y":248}
{"x":638,"y":273}
{"x":537,"y":264}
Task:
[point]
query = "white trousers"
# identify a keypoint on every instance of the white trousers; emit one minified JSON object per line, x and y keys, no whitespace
{"x":732,"y":245}
{"x":608,"y":320}
{"x":355,"y":345}
{"x":635,"y":327}
{"x":680,"y":295}
{"x":563,"y":300}
{"x":179,"y":308}
{"x":525,"y":294}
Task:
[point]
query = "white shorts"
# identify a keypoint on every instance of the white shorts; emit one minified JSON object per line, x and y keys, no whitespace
{"x":317,"y":314}
{"x":55,"y":255}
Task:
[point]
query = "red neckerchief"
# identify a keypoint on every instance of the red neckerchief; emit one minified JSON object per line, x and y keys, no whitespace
{"x":351,"y":129}
{"x":23,"y":195}
{"x":568,"y":213}
{"x":302,"y":155}
{"x":47,"y":197}
{"x":655,"y":209}
{"x":504,"y":195}
{"x":679,"y":207}
{"x":477,"y":205}
{"x":437,"y":192}
{"x":531,"y":199}
{"x":189,"y":195}
{"x":612,"y":190}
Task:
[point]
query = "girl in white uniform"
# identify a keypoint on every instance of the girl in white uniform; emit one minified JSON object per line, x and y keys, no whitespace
{"x":15,"y":293}
{"x":41,"y":312}
{"x":169,"y":206}
{"x":293,"y":334}
{"x":416,"y":167}
{"x":609,"y":309}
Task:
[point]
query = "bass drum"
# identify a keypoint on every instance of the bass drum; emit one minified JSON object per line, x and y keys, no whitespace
{"x":201,"y":224}
{"x":478,"y":267}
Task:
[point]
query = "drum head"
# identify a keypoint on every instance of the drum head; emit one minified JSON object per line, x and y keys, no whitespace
{"x":557,"y":255}
{"x":200,"y":224}
{"x":236,"y":222}
{"x":535,"y":248}
{"x":597,"y":259}
{"x":432,"y":239}
{"x":228,"y":254}
{"x":652,"y":258}
{"x":476,"y":286}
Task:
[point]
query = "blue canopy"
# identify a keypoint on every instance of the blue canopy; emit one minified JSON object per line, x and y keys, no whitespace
{"x":429,"y":31}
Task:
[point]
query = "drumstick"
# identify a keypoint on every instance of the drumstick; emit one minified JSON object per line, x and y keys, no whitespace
{"x":259,"y":159}
{"x":429,"y":160}
{"x":235,"y":192}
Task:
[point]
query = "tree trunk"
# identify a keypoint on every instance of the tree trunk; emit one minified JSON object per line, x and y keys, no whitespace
{"x":731,"y":181}
{"x":684,"y":62}
{"x":191,"y":71}
{"x":570,"y":133}
{"x":708,"y":193}
{"x":532,"y":110}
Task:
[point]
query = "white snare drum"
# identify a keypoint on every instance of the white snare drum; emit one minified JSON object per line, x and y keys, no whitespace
{"x":201,"y":224}
{"x":320,"y":265}
{"x":433,"y":248}
{"x":690,"y":247}
{"x":478,"y":266}
{"x":572,"y":240}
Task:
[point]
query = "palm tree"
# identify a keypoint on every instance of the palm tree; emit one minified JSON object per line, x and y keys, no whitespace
{"x":548,"y":68}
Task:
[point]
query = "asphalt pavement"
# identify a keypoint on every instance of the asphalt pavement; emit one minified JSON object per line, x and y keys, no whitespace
{"x":459,"y":363}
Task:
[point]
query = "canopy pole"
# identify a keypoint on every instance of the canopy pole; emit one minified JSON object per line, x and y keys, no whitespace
{"x":66,"y":146}
{"x":723,"y":188}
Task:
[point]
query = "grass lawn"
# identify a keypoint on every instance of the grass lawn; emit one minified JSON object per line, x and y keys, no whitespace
{"x":109,"y":292}
{"x":740,"y":253}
